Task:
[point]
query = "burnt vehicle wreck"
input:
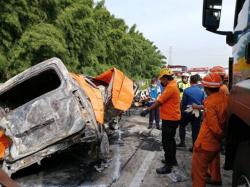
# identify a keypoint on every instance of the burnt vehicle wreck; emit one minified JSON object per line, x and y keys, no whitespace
{"x":46,"y":109}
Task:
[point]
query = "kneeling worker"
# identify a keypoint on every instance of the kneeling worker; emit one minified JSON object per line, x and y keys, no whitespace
{"x":170,"y":114}
{"x":206,"y":154}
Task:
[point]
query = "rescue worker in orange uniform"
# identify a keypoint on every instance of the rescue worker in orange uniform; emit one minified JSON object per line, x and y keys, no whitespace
{"x":206,"y":158}
{"x":169,"y":102}
{"x":221,"y":71}
{"x":223,"y":89}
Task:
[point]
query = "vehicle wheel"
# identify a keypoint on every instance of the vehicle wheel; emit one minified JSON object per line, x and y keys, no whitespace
{"x":241,"y":171}
{"x":104,"y":147}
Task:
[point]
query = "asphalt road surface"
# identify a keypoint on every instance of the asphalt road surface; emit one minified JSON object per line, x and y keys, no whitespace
{"x":135,"y":154}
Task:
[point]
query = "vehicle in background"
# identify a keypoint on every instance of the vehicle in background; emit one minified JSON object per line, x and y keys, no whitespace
{"x":46,"y":109}
{"x":178,"y":70}
{"x":238,"y":127}
{"x":141,"y":98}
{"x":202,"y":71}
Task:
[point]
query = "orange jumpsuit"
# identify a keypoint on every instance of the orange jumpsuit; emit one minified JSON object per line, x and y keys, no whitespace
{"x":207,"y":146}
{"x":224,"y":89}
{"x":170,"y":102}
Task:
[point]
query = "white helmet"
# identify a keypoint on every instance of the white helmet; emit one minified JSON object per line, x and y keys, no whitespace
{"x":185,"y":74}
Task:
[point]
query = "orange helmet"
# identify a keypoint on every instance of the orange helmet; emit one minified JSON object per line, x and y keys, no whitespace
{"x":212,"y":80}
{"x":218,"y":69}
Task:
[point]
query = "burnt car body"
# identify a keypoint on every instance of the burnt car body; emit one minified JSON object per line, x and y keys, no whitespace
{"x":43,"y":110}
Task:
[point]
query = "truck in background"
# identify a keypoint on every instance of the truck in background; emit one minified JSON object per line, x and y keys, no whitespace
{"x":178,"y":70}
{"x":238,"y":126}
{"x":202,"y":71}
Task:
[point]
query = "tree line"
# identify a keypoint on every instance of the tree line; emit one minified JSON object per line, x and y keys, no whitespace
{"x":84,"y":34}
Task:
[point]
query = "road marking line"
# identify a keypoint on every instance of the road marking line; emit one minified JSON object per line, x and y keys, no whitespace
{"x":141,"y":172}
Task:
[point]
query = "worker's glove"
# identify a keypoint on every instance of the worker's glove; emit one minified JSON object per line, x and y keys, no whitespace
{"x":190,"y":109}
{"x":196,"y":113}
{"x":144,"y":113}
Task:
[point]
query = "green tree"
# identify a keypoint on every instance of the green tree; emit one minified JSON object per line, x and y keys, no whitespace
{"x":82,"y":33}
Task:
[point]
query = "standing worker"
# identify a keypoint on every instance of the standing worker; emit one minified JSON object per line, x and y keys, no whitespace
{"x":191,"y":95}
{"x":154,"y":91}
{"x":206,"y":155}
{"x":183,"y":84}
{"x":170,"y":114}
{"x":221,"y":71}
{"x":223,"y":89}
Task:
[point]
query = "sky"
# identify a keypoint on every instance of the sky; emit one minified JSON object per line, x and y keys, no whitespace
{"x":176,"y":25}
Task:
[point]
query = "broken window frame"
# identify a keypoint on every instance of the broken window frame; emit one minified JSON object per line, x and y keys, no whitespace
{"x":22,"y":78}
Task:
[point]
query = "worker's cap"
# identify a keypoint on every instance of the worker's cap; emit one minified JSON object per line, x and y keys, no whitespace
{"x":165,"y":71}
{"x":212,"y":80}
{"x":219,"y":70}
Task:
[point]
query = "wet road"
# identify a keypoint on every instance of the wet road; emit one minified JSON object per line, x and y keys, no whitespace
{"x":135,"y":154}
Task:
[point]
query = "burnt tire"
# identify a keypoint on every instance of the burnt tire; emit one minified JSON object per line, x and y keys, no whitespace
{"x":241,"y":170}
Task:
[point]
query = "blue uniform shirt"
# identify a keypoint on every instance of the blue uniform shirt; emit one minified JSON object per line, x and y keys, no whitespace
{"x":193,"y":94}
{"x":154,"y":92}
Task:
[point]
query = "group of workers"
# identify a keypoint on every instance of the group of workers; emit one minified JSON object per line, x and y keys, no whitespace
{"x":204,"y":106}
